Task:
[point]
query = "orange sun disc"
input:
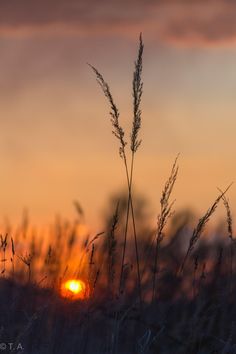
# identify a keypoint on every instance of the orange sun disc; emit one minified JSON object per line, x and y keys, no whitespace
{"x":74,"y":289}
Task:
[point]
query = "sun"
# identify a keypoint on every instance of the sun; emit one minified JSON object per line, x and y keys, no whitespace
{"x":74,"y":289}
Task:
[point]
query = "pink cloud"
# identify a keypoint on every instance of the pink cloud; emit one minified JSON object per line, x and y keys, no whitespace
{"x":189,"y":23}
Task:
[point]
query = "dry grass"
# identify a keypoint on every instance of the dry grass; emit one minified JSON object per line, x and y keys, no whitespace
{"x":146,"y":295}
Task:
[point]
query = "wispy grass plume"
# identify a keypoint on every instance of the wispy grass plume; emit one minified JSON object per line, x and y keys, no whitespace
{"x":119,"y":133}
{"x":229,"y":216}
{"x":135,"y":143}
{"x":197,"y":232}
{"x":112,"y":249}
{"x":27,"y":260}
{"x":165,"y":213}
{"x":4,"y":246}
{"x":13,"y":256}
{"x":114,"y":112}
{"x":230,"y":235}
{"x":137,"y":95}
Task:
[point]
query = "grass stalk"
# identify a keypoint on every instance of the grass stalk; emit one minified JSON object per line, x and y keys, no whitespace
{"x":165,"y":213}
{"x":135,"y":143}
{"x":4,"y":246}
{"x":197,"y":232}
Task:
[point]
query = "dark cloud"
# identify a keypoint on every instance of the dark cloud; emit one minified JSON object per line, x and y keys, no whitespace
{"x":188,"y":22}
{"x":209,"y":23}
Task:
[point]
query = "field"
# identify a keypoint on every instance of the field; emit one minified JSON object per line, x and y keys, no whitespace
{"x":168,"y":290}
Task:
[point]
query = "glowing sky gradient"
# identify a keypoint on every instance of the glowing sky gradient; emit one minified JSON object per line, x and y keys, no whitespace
{"x":55,"y":138}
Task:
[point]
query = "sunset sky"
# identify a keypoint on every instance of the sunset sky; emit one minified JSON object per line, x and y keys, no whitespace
{"x":56,"y":144}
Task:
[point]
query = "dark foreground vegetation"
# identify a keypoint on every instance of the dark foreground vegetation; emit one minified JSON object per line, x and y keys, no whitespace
{"x":193,"y":312}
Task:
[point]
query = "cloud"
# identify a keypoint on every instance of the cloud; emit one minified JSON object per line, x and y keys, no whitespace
{"x":209,"y":23}
{"x":185,"y":22}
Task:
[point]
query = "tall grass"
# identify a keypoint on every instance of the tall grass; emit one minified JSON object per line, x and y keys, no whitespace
{"x":165,"y":213}
{"x":197,"y":232}
{"x":183,"y":284}
{"x":135,"y":142}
